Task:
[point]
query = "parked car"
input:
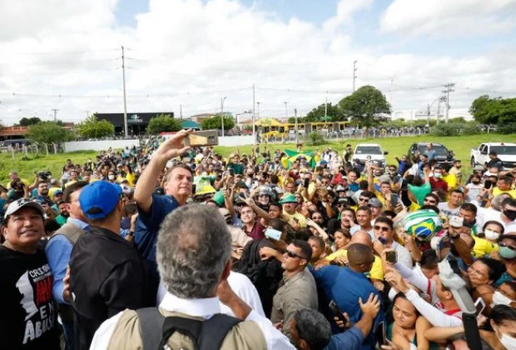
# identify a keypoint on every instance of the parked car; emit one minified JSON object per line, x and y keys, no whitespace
{"x":505,"y":151}
{"x":370,"y":151}
{"x":443,"y":155}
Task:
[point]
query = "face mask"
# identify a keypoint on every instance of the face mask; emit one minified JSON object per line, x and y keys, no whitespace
{"x":500,"y":299}
{"x":491,"y":235}
{"x":508,"y":342}
{"x":510,"y":214}
{"x":377,"y":173}
{"x":438,"y":175}
{"x":475,"y":182}
{"x":507,"y":253}
{"x":111,"y":177}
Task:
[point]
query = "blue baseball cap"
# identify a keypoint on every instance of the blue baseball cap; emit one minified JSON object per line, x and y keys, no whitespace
{"x":101,"y":195}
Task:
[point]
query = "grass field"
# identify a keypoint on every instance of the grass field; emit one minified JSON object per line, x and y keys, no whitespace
{"x":26,"y":166}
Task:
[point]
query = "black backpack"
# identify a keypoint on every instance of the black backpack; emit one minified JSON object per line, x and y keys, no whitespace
{"x":206,"y":335}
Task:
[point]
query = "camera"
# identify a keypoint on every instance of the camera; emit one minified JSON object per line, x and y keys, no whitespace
{"x":44,"y":175}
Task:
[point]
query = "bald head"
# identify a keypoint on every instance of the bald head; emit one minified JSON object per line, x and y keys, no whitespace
{"x":359,"y":254}
{"x":362,"y":237}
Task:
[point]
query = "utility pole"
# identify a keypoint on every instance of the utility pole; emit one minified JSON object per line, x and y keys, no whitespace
{"x":448,"y":89}
{"x":428,"y":114}
{"x":297,"y":133}
{"x":286,"y":112}
{"x":254,"y":115}
{"x":354,"y":74}
{"x":258,"y":103}
{"x":125,"y":97}
{"x":55,"y":113}
{"x":222,"y":113}
{"x":181,"y":112}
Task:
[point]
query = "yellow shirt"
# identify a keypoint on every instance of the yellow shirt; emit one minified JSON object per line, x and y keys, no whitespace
{"x":69,"y":183}
{"x":483,"y":247}
{"x":25,"y":182}
{"x":131,"y":179}
{"x":497,"y":191}
{"x":376,"y":272}
{"x":451,"y":180}
{"x":299,"y":217}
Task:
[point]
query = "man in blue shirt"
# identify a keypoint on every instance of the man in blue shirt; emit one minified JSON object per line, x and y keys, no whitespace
{"x":310,"y":330}
{"x":347,"y":285}
{"x":59,"y":249}
{"x":153,"y":208}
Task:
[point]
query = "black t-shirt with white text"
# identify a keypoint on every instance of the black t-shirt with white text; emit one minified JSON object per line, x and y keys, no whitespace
{"x":28,"y":319}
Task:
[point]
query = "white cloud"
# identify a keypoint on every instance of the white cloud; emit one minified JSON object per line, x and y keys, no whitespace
{"x":441,"y":18}
{"x":346,"y":9}
{"x":193,"y":53}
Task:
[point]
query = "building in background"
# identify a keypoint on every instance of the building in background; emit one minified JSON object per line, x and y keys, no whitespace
{"x":136,"y":122}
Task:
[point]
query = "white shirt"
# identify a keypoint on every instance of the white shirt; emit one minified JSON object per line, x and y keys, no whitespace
{"x":205,"y":308}
{"x":240,"y":284}
{"x":404,"y":256}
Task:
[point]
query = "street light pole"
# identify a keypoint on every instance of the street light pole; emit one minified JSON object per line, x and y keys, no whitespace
{"x":286,"y":112}
{"x":222,"y":113}
{"x":297,"y":133}
{"x":258,"y":103}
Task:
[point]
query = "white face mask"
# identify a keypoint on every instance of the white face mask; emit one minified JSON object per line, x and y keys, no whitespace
{"x":111,"y":177}
{"x":508,"y":342}
{"x":438,"y":175}
{"x":500,"y":299}
{"x":491,"y":235}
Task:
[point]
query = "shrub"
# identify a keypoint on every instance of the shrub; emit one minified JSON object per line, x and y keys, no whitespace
{"x":315,"y":139}
{"x":446,"y":130}
{"x":507,"y":129}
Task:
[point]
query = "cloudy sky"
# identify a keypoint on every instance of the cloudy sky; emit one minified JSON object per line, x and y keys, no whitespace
{"x":66,"y":54}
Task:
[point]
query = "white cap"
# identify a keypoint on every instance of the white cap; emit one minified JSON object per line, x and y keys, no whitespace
{"x":23,"y":202}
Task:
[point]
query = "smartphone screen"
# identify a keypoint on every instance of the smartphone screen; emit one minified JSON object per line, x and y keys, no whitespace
{"x":456,"y":221}
{"x":391,"y":256}
{"x":380,"y":334}
{"x":307,"y":182}
{"x":488,"y":184}
{"x":479,"y":306}
{"x":394,"y":199}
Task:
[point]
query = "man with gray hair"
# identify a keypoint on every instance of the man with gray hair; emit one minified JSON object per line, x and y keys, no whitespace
{"x":193,"y":255}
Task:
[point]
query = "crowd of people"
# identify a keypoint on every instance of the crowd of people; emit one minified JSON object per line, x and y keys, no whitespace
{"x":165,"y":245}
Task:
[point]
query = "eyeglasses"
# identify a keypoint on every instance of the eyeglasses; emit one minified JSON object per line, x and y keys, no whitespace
{"x":341,"y":204}
{"x":501,"y":244}
{"x":292,"y":255}
{"x":361,"y":199}
{"x":263,"y":195}
{"x":381,"y":228}
{"x":429,"y":201}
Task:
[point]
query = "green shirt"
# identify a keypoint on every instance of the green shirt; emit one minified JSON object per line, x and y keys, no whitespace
{"x":420,"y":192}
{"x":61,"y":220}
{"x":237,"y":168}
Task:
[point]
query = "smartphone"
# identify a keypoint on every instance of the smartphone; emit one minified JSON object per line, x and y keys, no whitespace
{"x":488,"y":184}
{"x":394,"y":200}
{"x":307,"y":183}
{"x":273,"y":234}
{"x":381,"y":334}
{"x":480,"y":305}
{"x":336,"y":311}
{"x":194,"y":187}
{"x":456,"y":221}
{"x":391,"y":256}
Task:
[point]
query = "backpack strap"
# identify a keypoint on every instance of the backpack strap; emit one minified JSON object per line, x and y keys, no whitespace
{"x":206,"y":335}
{"x":151,"y":325}
{"x":215,"y":330}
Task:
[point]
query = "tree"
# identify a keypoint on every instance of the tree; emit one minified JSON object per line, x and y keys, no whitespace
{"x":333,"y":114}
{"x":366,"y":107}
{"x":215,"y":122}
{"x":92,"y":128}
{"x":48,"y":132}
{"x":498,"y":110}
{"x":163,"y":123}
{"x":28,"y":121}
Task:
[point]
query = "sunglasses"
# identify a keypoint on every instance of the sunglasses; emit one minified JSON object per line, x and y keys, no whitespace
{"x":361,"y":199}
{"x":507,"y":246}
{"x":291,"y":254}
{"x":429,"y":201}
{"x":381,"y":228}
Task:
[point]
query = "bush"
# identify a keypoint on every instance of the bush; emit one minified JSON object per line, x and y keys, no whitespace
{"x":507,"y":129}
{"x":446,"y":130}
{"x":315,"y":139}
{"x":470,"y":129}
